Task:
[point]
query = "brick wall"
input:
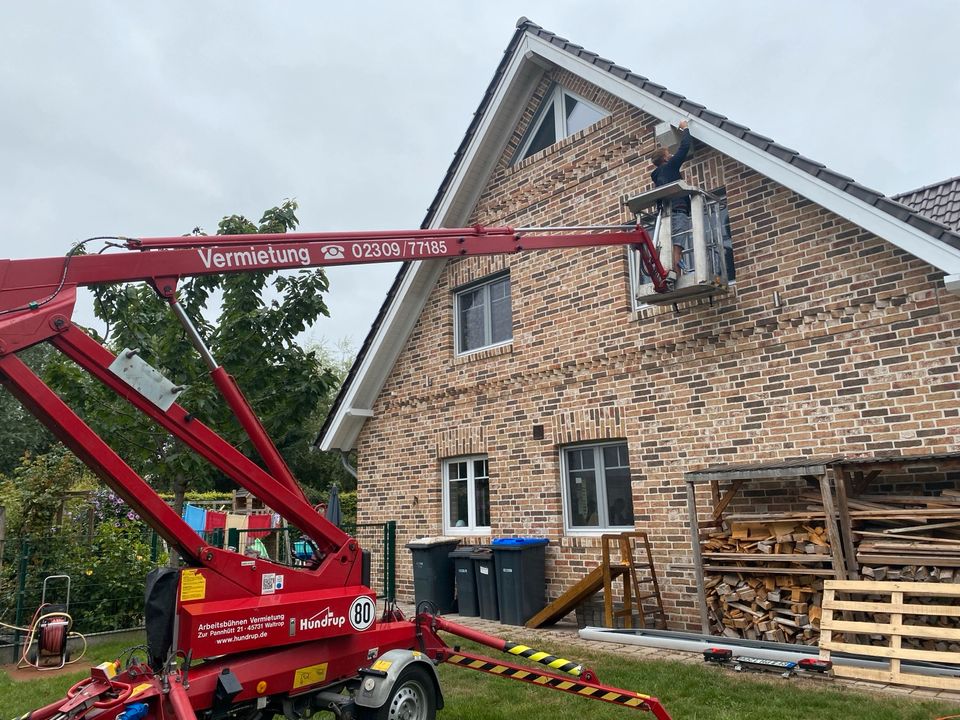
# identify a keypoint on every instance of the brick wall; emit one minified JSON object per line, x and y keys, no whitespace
{"x":832,"y":342}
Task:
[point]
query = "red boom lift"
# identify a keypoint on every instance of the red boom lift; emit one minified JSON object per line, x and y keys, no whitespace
{"x":230,"y":635}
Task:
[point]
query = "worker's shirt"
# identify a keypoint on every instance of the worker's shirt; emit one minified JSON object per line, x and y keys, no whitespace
{"x":670,"y":172}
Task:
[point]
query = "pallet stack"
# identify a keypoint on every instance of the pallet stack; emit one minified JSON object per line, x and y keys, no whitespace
{"x":765,"y":579}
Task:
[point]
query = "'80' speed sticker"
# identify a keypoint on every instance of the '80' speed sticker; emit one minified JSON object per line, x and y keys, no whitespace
{"x":362,"y":612}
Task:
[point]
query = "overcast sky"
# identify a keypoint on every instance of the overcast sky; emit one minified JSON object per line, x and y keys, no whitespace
{"x":144,"y":118}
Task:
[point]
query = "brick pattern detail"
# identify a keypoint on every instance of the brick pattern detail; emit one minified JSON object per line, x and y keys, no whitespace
{"x":458,"y":441}
{"x":600,"y":423}
{"x":859,"y":356}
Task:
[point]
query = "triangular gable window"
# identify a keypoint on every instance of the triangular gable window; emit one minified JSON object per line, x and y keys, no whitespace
{"x":561,"y":115}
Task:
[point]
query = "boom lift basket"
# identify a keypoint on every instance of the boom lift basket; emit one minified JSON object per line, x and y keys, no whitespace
{"x":704,"y":268}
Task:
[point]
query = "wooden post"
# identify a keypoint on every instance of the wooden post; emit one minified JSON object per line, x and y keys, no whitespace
{"x":840,"y":482}
{"x":832,"y":531}
{"x":697,"y":557}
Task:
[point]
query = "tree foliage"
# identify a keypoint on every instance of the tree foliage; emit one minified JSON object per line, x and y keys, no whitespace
{"x":21,"y":432}
{"x":250,"y":321}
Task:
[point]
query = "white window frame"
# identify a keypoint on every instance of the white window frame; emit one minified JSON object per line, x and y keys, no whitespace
{"x":555,"y":99}
{"x":603,"y":526}
{"x":471,"y":528}
{"x":487,"y":314}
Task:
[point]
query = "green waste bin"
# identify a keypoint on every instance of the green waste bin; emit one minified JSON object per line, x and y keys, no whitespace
{"x":468,"y":603}
{"x":433,"y":579}
{"x":521,"y":578}
{"x":486,"y":575}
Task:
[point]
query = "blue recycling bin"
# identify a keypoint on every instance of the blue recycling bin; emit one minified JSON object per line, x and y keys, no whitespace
{"x":521,"y":578}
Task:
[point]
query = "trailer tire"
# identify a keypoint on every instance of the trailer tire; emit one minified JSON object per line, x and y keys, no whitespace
{"x":413,"y":697}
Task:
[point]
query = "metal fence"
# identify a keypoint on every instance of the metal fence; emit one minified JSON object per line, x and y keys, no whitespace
{"x":107,"y":570}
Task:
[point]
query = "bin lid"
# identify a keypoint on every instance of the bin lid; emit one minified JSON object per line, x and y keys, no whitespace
{"x":464,"y":551}
{"x":518,"y":543}
{"x":428,"y":542}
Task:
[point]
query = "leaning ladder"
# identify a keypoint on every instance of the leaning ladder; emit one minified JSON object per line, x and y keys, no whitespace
{"x":626,"y":569}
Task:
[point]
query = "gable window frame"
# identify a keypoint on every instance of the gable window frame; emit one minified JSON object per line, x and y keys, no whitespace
{"x":600,"y":467}
{"x":554,"y":104}
{"x":485,"y":286}
{"x":471,"y":478}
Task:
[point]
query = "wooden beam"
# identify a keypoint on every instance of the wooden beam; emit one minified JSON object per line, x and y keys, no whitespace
{"x":697,"y":558}
{"x":833,"y":533}
{"x":840,"y":481}
{"x":719,"y":507}
{"x":757,"y":474}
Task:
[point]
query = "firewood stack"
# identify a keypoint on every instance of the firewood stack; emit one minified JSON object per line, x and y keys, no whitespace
{"x":770,"y":585}
{"x":913,"y":538}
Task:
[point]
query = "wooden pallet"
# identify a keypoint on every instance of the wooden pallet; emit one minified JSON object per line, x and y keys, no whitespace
{"x":895,"y":630}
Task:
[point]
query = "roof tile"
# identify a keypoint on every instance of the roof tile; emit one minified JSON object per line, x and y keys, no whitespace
{"x":901,"y":212}
{"x":806,"y":164}
{"x":864,"y":193}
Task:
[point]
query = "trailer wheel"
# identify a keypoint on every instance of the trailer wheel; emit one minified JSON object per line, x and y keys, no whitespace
{"x":413,"y":697}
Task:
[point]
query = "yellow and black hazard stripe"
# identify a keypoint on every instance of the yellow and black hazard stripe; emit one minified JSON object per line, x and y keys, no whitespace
{"x":610,"y":695}
{"x":567,"y":666}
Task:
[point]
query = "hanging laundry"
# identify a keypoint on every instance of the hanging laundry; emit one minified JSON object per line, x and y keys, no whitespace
{"x":215,"y":521}
{"x":236,"y":525}
{"x":195,"y":517}
{"x":255,"y":523}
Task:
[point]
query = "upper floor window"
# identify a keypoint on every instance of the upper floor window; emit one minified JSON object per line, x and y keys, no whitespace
{"x":561,"y":115}
{"x":466,"y":495}
{"x":596,"y":487}
{"x":483,"y":315}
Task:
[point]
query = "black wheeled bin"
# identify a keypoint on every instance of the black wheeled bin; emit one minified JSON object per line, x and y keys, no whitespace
{"x":486,"y":575}
{"x":433,"y":572}
{"x":521,"y":578}
{"x":468,"y":603}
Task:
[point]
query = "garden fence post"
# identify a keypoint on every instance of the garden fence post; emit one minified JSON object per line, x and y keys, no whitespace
{"x":21,"y":593}
{"x":389,"y":564}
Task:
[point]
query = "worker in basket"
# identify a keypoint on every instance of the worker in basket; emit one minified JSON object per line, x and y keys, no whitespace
{"x":666,"y":169}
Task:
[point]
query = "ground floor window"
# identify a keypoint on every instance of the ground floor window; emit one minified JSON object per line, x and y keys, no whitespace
{"x":466,"y":495}
{"x":596,"y":487}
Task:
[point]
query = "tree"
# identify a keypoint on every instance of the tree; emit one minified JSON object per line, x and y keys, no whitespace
{"x":258,"y":316}
{"x":22,"y":433}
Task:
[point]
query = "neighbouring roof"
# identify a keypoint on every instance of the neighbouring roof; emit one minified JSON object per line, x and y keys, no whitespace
{"x":530,"y":51}
{"x":940,"y":202}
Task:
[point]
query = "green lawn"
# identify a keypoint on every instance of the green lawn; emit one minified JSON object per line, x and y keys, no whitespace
{"x":688,"y":691}
{"x":17,"y":698}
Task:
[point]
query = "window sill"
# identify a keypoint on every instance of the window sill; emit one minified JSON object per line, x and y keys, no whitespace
{"x":487,"y":352}
{"x":467,"y":532}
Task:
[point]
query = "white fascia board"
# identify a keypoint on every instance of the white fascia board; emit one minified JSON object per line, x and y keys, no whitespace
{"x":443,"y":216}
{"x":870,"y":218}
{"x":389,"y":340}
{"x":419,"y":281}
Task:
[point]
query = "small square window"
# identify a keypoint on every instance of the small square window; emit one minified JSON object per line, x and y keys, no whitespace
{"x":484,"y":315}
{"x":597,"y":493}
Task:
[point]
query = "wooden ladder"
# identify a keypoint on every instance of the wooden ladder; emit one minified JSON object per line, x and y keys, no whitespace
{"x":626,"y":569}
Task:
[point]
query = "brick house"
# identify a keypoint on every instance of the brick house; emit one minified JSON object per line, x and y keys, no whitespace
{"x":533,"y":394}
